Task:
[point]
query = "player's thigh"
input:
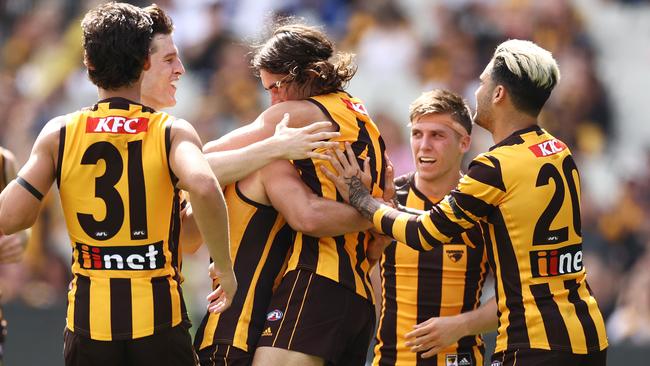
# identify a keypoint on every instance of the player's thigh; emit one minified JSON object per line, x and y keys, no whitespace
{"x":270,"y":356}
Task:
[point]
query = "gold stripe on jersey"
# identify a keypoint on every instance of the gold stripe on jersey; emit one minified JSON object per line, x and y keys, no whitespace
{"x":419,"y":285}
{"x":342,"y":258}
{"x":533,"y":238}
{"x":260,"y":241}
{"x":122,"y":213}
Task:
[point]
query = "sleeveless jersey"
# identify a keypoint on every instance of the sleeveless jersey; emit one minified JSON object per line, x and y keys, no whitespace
{"x":259,"y":244}
{"x":342,"y":258}
{"x":122,"y":209}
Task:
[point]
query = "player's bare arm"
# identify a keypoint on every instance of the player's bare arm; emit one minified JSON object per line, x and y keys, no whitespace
{"x":305,"y":211}
{"x":286,"y":143}
{"x":12,"y":247}
{"x":302,"y":114}
{"x":209,"y":207}
{"x":20,"y":201}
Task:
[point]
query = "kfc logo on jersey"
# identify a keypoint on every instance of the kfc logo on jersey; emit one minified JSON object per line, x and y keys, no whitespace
{"x":545,"y":263}
{"x":116,"y":124}
{"x":548,"y":147}
{"x":143,"y":257}
{"x":357,"y":107}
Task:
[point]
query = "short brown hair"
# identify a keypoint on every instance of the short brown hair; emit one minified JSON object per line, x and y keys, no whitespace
{"x":162,"y":23}
{"x":440,"y":101}
{"x":116,"y":38}
{"x":304,"y":53}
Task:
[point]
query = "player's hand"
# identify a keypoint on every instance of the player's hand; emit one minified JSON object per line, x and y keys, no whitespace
{"x":12,"y":247}
{"x":434,"y":335}
{"x":376,"y":246}
{"x":226,"y":286}
{"x":300,"y":143}
{"x":346,"y":167}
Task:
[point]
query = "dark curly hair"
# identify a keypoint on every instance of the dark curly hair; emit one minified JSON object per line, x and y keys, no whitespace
{"x":304,"y":53}
{"x":116,"y":38}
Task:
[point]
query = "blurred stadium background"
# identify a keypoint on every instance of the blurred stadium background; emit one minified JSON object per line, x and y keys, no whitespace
{"x":403,"y":47}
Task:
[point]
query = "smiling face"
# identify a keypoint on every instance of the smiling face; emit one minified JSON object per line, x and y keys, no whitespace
{"x":159,"y":82}
{"x":437,"y":149}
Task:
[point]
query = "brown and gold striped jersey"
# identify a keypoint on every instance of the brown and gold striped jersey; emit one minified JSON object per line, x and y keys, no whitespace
{"x":416,"y":286}
{"x":122,"y":213}
{"x":259,"y":245}
{"x":342,"y":258}
{"x":526,"y":192}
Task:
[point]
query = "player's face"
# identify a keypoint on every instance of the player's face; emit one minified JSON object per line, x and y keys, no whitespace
{"x":277,"y":86}
{"x":483,"y":115}
{"x":159,"y":82}
{"x":437,"y":149}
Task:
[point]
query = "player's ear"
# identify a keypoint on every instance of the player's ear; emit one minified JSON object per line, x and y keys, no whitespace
{"x":464,"y":143}
{"x":147,"y":63}
{"x":498,"y":94}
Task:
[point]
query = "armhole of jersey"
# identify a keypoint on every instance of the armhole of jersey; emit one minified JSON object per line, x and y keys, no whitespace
{"x":326,"y":112}
{"x":168,"y":147}
{"x":250,"y":201}
{"x":59,"y":159}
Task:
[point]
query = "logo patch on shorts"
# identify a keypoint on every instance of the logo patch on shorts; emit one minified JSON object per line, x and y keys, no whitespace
{"x":267,"y":332}
{"x":460,"y":359}
{"x":275,"y":315}
{"x":496,"y":363}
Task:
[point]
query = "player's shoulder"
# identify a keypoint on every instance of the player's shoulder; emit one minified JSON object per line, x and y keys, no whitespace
{"x":301,"y":112}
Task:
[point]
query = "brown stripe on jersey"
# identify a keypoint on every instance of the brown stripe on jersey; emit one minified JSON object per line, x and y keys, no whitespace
{"x":82,"y":306}
{"x":382,"y":176}
{"x":458,"y":212}
{"x":472,"y":204}
{"x":175,"y":232}
{"x":346,"y":274}
{"x":251,"y":249}
{"x":361,"y":256}
{"x":492,"y":176}
{"x":362,"y":143}
{"x":168,"y":147}
{"x":264,"y":288}
{"x":308,"y":257}
{"x":444,"y":224}
{"x":515,"y":138}
{"x":121,"y":308}
{"x":59,"y":159}
{"x":557,"y":333}
{"x":388,"y":325}
{"x":162,"y":299}
{"x":387,"y":222}
{"x":137,"y":194}
{"x":429,"y":286}
{"x":3,"y":173}
{"x":517,"y":331}
{"x":582,"y":311}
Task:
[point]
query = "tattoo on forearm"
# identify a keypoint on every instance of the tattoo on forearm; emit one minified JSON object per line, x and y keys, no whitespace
{"x":361,"y":199}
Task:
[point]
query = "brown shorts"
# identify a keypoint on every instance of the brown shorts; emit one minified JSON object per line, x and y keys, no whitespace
{"x":314,"y":315}
{"x":171,"y":347}
{"x":224,"y":355}
{"x":541,"y":357}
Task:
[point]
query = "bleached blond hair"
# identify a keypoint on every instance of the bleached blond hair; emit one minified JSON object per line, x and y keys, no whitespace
{"x":528,"y":72}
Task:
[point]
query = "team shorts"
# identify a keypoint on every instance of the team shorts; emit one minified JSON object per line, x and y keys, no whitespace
{"x":224,"y":355}
{"x":541,"y":357}
{"x":171,"y":347}
{"x":314,"y":315}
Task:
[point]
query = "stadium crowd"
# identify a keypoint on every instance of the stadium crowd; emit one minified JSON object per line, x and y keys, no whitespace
{"x":403,"y":48}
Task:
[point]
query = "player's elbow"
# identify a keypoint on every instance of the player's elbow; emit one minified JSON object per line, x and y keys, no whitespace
{"x":203,"y":187}
{"x":11,"y":224}
{"x":304,"y":223}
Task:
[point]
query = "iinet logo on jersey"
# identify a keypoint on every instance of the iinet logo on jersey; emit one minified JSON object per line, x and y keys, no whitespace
{"x":556,"y":262}
{"x":142,"y":257}
{"x":116,"y":124}
{"x":548,"y":147}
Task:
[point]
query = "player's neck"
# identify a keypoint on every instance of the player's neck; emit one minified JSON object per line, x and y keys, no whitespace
{"x":438,"y":188}
{"x":130,"y":93}
{"x":511,"y":122}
